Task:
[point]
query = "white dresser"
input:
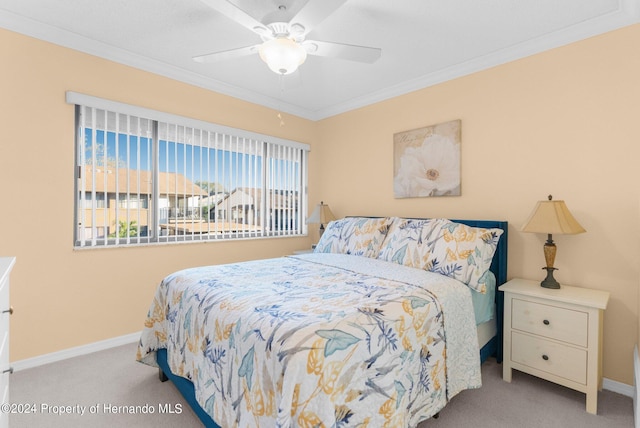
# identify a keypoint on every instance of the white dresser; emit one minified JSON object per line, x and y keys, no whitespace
{"x":555,"y":334}
{"x":6,"y":264}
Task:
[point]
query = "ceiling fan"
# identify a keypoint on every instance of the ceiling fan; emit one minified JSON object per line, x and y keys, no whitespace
{"x":284,"y":46}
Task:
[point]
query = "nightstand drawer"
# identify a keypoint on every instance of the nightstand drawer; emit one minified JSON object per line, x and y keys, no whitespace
{"x":550,"y":321}
{"x":554,"y":358}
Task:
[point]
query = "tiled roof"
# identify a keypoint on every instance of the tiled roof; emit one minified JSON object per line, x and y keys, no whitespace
{"x":135,"y":181}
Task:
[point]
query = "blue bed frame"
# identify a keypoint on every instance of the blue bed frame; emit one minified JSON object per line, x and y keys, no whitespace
{"x":492,"y":348}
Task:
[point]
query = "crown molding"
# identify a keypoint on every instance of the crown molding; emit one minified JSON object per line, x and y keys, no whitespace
{"x":57,"y":36}
{"x":627,"y":13}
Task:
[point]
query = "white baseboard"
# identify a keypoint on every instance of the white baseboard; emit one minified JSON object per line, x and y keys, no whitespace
{"x":75,"y":352}
{"x":618,"y":387}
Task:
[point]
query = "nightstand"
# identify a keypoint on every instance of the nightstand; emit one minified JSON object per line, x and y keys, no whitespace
{"x":555,"y":335}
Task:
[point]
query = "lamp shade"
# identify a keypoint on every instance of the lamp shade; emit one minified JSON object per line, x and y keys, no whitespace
{"x":282,"y":55}
{"x":321,"y":214}
{"x":552,"y":217}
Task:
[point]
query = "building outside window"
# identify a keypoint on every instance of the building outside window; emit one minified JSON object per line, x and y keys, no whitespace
{"x":145,"y":177}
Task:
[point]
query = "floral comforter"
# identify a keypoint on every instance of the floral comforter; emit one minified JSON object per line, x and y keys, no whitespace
{"x":316,"y":340}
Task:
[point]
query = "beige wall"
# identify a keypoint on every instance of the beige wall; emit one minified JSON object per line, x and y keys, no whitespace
{"x":563,"y":122}
{"x":64,"y":297}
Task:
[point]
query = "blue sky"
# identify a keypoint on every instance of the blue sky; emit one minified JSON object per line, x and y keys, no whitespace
{"x":195,"y":162}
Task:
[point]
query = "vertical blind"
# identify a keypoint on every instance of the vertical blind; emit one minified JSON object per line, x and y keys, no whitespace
{"x":158,"y":178}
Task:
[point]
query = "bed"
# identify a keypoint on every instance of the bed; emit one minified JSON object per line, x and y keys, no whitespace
{"x":380,"y":326}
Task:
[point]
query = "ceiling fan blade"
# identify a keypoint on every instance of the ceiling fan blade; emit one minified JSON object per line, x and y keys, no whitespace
{"x":233,"y":12}
{"x":342,"y":51}
{"x":225,"y":55}
{"x":314,"y":13}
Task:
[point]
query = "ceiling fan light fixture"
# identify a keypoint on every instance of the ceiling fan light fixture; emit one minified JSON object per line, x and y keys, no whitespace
{"x":282,"y":55}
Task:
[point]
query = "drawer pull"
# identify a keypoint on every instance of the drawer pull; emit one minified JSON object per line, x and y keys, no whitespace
{"x":546,"y":322}
{"x":545,"y":357}
{"x":10,"y":310}
{"x":9,"y":370}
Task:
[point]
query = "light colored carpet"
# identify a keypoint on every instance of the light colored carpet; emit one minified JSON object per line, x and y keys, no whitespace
{"x":110,"y":378}
{"x":530,"y":402}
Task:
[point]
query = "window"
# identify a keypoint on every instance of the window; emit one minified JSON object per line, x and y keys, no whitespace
{"x":146,"y":177}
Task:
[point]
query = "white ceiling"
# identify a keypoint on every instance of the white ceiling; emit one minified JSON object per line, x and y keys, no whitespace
{"x":423,"y":42}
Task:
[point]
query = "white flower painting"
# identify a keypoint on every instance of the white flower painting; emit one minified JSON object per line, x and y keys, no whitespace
{"x":427,"y":161}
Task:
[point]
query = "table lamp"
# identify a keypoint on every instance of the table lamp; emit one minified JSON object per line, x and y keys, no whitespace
{"x":551,"y":217}
{"x":322,"y":215}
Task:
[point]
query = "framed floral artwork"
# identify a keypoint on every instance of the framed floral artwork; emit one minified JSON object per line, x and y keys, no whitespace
{"x":426,"y":161}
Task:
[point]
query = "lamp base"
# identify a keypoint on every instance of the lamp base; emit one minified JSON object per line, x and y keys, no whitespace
{"x":549,"y":281}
